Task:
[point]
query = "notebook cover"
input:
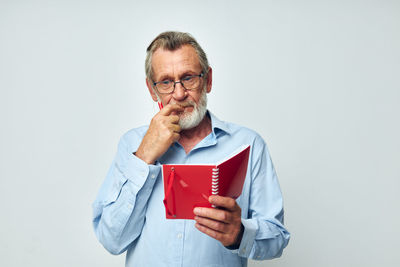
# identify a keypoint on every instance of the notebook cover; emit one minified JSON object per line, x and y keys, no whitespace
{"x":232,"y":174}
{"x":191,"y":188}
{"x":192,"y":183}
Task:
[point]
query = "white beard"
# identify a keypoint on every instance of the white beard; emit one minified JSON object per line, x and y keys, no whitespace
{"x":189,"y":120}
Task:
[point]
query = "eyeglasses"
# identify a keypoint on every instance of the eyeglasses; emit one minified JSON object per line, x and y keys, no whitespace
{"x":190,"y":82}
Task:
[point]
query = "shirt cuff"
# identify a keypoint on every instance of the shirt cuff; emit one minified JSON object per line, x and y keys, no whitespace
{"x":249,"y":235}
{"x":137,"y":171}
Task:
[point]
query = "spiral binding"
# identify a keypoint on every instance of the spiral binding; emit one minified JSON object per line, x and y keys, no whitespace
{"x":214,"y":182}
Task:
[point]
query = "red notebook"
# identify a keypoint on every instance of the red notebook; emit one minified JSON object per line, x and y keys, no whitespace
{"x":187,"y":186}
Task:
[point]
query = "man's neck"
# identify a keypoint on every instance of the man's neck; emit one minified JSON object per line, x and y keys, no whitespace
{"x":191,"y":137}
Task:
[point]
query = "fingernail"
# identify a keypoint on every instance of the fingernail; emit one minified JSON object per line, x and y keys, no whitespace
{"x":196,"y":211}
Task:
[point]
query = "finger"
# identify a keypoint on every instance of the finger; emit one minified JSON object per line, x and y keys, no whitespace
{"x":212,"y":224}
{"x":168,"y":109}
{"x":173,"y":118}
{"x":225,"y":238}
{"x":175,"y":128}
{"x":210,"y":232}
{"x":224,"y":202}
{"x":215,"y":214}
{"x":176,"y":137}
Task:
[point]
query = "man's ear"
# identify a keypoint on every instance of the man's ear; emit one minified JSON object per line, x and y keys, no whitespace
{"x":209,"y":79}
{"x":153,"y":95}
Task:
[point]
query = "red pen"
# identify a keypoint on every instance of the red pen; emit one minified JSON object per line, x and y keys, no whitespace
{"x":160,"y":105}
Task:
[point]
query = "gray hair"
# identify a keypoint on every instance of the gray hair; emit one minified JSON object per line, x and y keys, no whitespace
{"x":172,"y":41}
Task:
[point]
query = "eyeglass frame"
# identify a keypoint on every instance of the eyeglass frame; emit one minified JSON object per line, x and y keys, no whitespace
{"x":201,"y":75}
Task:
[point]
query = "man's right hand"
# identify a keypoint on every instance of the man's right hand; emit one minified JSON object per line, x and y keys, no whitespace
{"x":163,"y":131}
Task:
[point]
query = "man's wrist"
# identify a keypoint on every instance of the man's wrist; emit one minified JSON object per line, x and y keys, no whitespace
{"x":140,"y":156}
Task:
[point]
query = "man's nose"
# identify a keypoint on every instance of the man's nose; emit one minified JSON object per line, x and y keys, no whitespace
{"x":179,"y":92}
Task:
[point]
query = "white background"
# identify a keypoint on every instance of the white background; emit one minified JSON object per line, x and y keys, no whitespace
{"x":319,"y":80}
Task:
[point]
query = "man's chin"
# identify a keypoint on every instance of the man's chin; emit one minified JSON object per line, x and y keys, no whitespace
{"x":185,"y":114}
{"x":189,"y":120}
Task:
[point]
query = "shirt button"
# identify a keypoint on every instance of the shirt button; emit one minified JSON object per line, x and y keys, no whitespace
{"x":153,"y":176}
{"x":243,"y":250}
{"x":179,"y":236}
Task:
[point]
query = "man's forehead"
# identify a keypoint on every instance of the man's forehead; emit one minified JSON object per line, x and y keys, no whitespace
{"x":181,"y":58}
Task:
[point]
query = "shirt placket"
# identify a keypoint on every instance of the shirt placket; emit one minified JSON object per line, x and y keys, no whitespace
{"x":178,"y":240}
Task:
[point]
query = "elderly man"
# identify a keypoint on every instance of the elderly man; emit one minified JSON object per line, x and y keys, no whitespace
{"x":129,"y":214}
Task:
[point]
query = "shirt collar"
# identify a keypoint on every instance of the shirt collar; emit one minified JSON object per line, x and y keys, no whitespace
{"x":217,"y":124}
{"x":218,"y":128}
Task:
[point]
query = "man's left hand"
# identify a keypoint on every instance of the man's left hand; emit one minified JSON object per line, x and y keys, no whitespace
{"x":222,"y":223}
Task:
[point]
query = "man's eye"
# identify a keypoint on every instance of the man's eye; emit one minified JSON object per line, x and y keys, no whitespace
{"x":187,"y":78}
{"x":165,"y":82}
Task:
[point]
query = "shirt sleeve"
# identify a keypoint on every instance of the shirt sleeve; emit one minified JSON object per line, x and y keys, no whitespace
{"x":264,"y":235}
{"x":119,"y":209}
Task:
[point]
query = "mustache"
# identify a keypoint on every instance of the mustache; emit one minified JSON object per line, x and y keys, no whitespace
{"x":187,"y":103}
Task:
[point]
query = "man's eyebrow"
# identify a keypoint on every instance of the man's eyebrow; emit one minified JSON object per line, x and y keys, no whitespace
{"x":164,"y":77}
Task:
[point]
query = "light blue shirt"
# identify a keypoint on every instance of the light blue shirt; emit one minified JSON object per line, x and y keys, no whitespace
{"x":129,"y":215}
